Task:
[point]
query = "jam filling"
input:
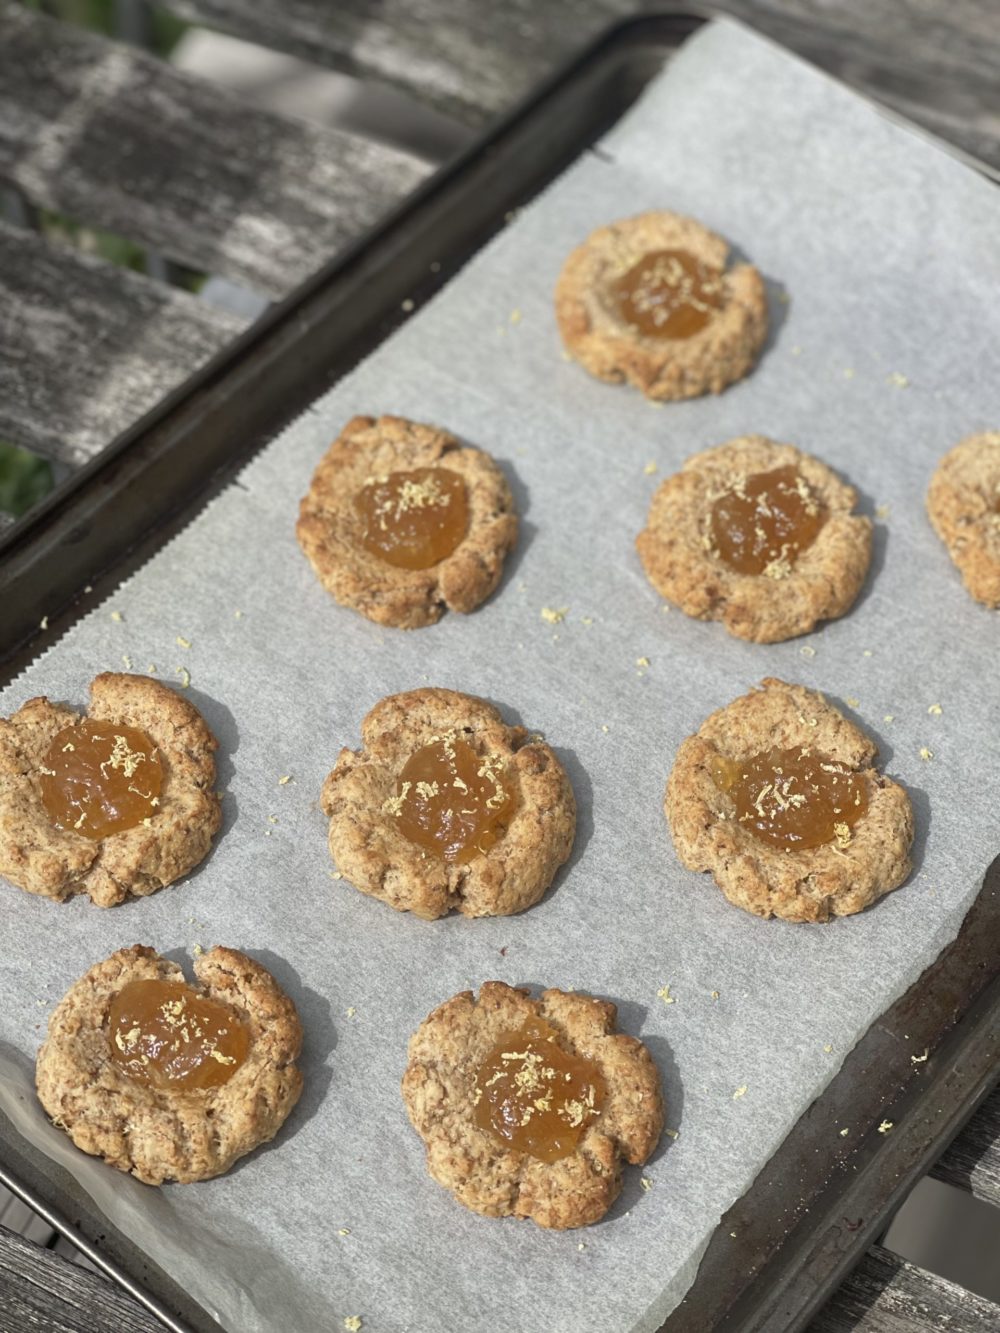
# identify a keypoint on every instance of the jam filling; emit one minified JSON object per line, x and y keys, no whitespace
{"x":764,"y":523}
{"x":793,"y":799}
{"x":668,"y":294}
{"x":451,"y":801}
{"x":165,"y":1034}
{"x":413,"y":520}
{"x":534,"y":1096}
{"x":100,"y":778}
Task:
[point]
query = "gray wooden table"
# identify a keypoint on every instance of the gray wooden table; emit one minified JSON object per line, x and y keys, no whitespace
{"x":112,"y":137}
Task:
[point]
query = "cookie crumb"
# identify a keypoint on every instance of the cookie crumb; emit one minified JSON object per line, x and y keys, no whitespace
{"x":897,"y":380}
{"x":664,"y":994}
{"x":740,"y":1091}
{"x":185,"y":676}
{"x":555,"y":615}
{"x":650,"y":468}
{"x":926,"y":754}
{"x":935,"y":710}
{"x":182,"y":642}
{"x":885,"y":1126}
{"x":117,"y":615}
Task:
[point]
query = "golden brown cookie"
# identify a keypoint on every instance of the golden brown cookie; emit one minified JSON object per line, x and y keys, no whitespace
{"x":154,"y":1130}
{"x":444,"y":1088}
{"x":963,"y":502}
{"x":59,"y":862}
{"x":333,"y":528}
{"x":865,"y":858}
{"x":692,"y":512}
{"x":504,"y":776}
{"x":649,"y":300}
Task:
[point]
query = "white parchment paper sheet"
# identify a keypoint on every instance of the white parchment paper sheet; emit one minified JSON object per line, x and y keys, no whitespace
{"x":885,"y":354}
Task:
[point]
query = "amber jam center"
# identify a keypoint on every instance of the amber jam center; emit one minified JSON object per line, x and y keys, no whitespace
{"x":165,"y":1034}
{"x":414,"y":519}
{"x":100,"y":778}
{"x":793,"y":798}
{"x":765,"y":522}
{"x":536,"y":1097}
{"x":668,"y":294}
{"x":451,"y":801}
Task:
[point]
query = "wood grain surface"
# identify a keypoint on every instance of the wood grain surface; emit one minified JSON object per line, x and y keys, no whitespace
{"x":885,"y":1294}
{"x":86,"y":348}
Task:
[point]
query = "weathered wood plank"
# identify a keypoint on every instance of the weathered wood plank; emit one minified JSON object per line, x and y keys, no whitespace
{"x":87,"y":348}
{"x":473,"y":60}
{"x":972,"y":1161}
{"x":47,"y":1294}
{"x":885,"y":1294}
{"x":116,"y":138}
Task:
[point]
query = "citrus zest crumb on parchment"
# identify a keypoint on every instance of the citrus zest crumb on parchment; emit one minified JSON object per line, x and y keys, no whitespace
{"x":882,"y":511}
{"x":935,"y":710}
{"x":343,"y":1231}
{"x":642,"y":661}
{"x":920,"y":1059}
{"x":185,"y":676}
{"x":554,"y":615}
{"x":43,"y":623}
{"x":926,"y":754}
{"x":351,"y":1011}
{"x":852,"y":702}
{"x":284,"y":780}
{"x":335,"y":874}
{"x":885,"y":1126}
{"x":844,"y":1133}
{"x":182,"y":642}
{"x":646,"y":1183}
{"x":664,"y":994}
{"x":897,"y":380}
{"x":740,"y":1091}
{"x":650,"y":468}
{"x":671,"y":1133}
{"x":807,"y":650}
{"x":117,"y":615}
{"x":127,"y":661}
{"x":828,"y":1048}
{"x":352,"y":1323}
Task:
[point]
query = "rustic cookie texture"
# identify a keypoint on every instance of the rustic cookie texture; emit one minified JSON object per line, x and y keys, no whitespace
{"x":809,"y":884}
{"x":663,"y":368}
{"x":484,"y":1174}
{"x":56,"y":863}
{"x":677,"y":553}
{"x":963,"y":503}
{"x":160,"y":1134}
{"x":329,"y":527}
{"x":373,"y":855}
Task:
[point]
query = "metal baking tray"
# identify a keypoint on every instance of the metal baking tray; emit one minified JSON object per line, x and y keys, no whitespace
{"x":783,"y":1248}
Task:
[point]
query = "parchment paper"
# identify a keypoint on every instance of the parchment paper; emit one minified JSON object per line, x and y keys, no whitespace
{"x":885,"y":354}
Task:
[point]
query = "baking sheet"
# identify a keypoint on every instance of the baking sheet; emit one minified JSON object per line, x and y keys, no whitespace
{"x":884,"y":353}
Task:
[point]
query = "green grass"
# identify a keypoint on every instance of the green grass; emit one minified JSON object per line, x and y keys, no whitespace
{"x":24,"y":479}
